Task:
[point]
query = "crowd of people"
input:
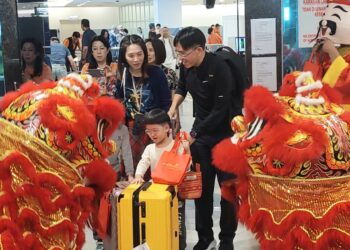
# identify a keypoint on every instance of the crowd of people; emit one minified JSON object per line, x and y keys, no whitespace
{"x":148,"y":79}
{"x":151,"y":77}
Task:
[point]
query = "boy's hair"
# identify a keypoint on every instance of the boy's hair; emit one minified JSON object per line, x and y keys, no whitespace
{"x":157,"y":116}
{"x":190,"y":37}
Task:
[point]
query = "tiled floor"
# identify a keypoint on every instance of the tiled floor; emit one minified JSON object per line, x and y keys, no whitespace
{"x":244,"y":240}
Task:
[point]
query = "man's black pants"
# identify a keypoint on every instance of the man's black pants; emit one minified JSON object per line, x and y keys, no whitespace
{"x":201,"y":153}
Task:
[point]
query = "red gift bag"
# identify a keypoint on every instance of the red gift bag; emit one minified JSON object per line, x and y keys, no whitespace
{"x":172,"y":166}
{"x":191,"y":186}
{"x":314,"y":64}
{"x":104,"y":213}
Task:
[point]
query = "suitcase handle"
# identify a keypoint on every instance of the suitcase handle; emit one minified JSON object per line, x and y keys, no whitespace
{"x":136,"y":214}
{"x":146,"y":185}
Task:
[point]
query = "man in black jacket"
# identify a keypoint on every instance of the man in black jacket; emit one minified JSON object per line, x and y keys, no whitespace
{"x":211,"y":94}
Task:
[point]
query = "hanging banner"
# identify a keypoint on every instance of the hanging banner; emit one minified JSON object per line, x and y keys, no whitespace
{"x":309,"y":15}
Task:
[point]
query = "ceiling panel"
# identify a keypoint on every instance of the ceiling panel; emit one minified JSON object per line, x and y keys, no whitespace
{"x":30,"y":4}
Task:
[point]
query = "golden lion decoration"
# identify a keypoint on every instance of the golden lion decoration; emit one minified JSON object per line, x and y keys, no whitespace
{"x":54,"y":138}
{"x":291,"y":156}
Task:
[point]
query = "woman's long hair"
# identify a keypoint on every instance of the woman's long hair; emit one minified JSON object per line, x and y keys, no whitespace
{"x":124,"y":44}
{"x":39,"y":59}
{"x":103,"y":34}
{"x":159,"y":50}
{"x":92,"y":62}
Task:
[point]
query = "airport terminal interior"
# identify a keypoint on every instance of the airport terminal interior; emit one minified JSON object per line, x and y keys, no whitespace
{"x":255,"y":92}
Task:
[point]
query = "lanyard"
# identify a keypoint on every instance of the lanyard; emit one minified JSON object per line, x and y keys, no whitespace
{"x":138,"y":97}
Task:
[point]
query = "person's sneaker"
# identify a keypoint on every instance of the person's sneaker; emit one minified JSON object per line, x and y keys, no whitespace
{"x":202,"y":245}
{"x":226,"y":246}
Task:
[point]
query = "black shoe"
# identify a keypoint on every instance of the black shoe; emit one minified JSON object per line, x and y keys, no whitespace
{"x":226,"y":246}
{"x":204,"y":245}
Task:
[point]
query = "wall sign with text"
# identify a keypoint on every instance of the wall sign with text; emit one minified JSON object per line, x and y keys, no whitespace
{"x":310,"y":13}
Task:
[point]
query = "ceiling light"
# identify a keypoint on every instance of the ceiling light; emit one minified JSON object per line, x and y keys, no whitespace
{"x":60,"y":3}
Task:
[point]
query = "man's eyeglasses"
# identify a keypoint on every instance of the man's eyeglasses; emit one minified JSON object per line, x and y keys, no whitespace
{"x":152,"y":131}
{"x":183,"y":54}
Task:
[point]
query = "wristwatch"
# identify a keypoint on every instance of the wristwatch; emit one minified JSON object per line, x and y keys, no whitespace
{"x":193,"y":134}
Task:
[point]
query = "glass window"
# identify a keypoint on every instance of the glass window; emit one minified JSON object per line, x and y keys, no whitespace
{"x":137,"y":14}
{"x":295,"y":50}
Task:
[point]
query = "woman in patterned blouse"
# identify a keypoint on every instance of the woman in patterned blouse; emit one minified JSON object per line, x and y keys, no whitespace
{"x":156,"y":56}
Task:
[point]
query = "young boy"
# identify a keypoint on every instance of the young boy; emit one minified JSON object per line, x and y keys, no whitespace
{"x":157,"y":124}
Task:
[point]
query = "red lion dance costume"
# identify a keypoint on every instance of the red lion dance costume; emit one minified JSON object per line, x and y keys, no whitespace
{"x":53,"y":139}
{"x":291,"y":156}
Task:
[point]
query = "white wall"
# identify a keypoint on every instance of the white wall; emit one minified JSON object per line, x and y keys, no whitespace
{"x":100,"y":17}
{"x":198,"y":15}
{"x":168,"y":13}
{"x":229,"y":27}
{"x":224,"y":14}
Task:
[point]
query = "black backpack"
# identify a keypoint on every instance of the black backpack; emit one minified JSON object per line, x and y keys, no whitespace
{"x":240,"y":77}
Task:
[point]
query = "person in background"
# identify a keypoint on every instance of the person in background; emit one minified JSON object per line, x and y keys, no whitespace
{"x":86,"y":40}
{"x":121,"y":160}
{"x":72,"y":43}
{"x":156,"y":56}
{"x":158,"y":126}
{"x":125,"y":32}
{"x":213,"y":37}
{"x":211,"y":95}
{"x":152,"y":31}
{"x":105,"y":34}
{"x":332,"y":48}
{"x":114,"y":40}
{"x":139,"y":32}
{"x":158,"y":27}
{"x":217,"y":30}
{"x":101,"y":60}
{"x":168,"y":40}
{"x":113,"y":36}
{"x":33,"y":66}
{"x":120,"y":35}
{"x":141,"y":87}
{"x":59,"y":55}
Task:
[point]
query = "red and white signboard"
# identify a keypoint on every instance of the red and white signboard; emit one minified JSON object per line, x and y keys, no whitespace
{"x":310,"y":13}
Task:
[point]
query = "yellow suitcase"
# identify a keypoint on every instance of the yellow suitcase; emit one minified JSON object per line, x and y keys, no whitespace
{"x":148,"y":214}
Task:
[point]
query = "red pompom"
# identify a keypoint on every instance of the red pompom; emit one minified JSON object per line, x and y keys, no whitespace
{"x":110,"y":110}
{"x":259,"y":102}
{"x":229,"y":158}
{"x":101,"y":176}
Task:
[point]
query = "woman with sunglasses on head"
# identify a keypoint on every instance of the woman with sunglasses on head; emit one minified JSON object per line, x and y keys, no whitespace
{"x":142,"y":87}
{"x":156,"y":56}
{"x":101,"y":66}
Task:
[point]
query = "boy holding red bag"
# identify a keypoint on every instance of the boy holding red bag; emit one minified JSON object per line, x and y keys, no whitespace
{"x":158,"y":128}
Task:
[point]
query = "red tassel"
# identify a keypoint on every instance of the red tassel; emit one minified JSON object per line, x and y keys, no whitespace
{"x":100,"y":175}
{"x":259,"y":102}
{"x":229,"y":158}
{"x":110,"y":110}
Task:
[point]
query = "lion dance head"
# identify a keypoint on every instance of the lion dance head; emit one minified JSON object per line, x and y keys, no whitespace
{"x":291,"y":156}
{"x":53,"y":139}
